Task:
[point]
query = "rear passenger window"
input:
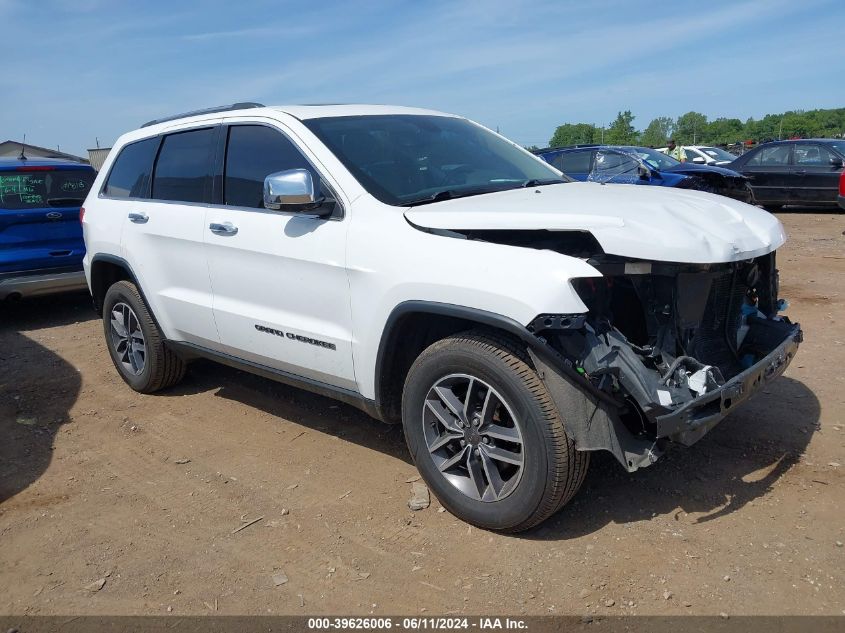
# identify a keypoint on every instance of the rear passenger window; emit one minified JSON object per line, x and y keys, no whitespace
{"x":775,"y":156}
{"x":183,"y":168}
{"x":130,"y":174}
{"x":805,"y":154}
{"x":253,"y":153}
{"x":574,"y":162}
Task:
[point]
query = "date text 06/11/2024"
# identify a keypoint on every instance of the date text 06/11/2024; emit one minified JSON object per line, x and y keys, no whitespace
{"x":417,"y":623}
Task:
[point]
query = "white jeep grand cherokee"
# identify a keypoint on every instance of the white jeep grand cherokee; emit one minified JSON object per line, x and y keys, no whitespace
{"x":430,"y":272}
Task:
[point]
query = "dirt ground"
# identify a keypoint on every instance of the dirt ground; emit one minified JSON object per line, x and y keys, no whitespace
{"x":118,"y":503}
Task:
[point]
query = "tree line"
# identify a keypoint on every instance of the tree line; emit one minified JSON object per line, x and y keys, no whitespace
{"x":693,"y":128}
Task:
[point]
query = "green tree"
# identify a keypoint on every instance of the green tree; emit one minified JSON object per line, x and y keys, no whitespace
{"x":723,"y":131}
{"x":573,"y":134}
{"x":693,"y":128}
{"x":766,"y":129}
{"x":621,"y":131}
{"x":658,"y":132}
{"x":690,"y":128}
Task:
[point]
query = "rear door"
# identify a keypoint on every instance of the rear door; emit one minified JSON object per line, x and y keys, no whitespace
{"x":816,"y":177}
{"x":39,"y":217}
{"x":769,"y":172}
{"x":162,"y":238}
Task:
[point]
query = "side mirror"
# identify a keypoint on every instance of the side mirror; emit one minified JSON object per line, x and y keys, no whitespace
{"x":291,"y":190}
{"x":836,"y":161}
{"x":644,"y":172}
{"x":698,"y":160}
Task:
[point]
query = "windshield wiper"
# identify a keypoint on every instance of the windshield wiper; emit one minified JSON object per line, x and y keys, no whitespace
{"x":449,"y":194}
{"x":537,"y":182}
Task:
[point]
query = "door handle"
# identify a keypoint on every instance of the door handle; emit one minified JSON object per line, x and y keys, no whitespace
{"x":800,"y":172}
{"x":138,"y":218}
{"x":223,"y":228}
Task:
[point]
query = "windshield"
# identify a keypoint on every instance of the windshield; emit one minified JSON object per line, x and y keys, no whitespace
{"x":839,"y":146}
{"x":717,"y":153}
{"x":411,"y":159}
{"x":34,"y":188}
{"x":656,"y":160}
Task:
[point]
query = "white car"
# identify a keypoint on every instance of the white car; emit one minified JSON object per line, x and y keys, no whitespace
{"x":422,"y":268}
{"x":704,"y":154}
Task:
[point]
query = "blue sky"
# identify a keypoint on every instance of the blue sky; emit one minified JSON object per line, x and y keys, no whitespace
{"x":76,"y":70}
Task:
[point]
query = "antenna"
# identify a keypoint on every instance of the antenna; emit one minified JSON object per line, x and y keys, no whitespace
{"x":23,"y":143}
{"x":97,"y":140}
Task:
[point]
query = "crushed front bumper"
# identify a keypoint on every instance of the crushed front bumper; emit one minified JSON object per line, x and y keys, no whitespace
{"x":687,"y":424}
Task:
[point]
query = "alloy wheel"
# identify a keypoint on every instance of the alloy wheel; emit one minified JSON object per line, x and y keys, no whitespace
{"x":473,"y":437}
{"x":128,"y":339}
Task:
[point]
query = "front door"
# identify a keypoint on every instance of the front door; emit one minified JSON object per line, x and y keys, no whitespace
{"x":281,"y":294}
{"x":770,"y":174}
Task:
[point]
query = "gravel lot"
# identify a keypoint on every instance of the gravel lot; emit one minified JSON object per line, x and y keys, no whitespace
{"x":117,"y":503}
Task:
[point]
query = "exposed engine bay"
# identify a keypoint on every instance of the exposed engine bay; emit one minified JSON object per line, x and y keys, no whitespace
{"x":668,"y":348}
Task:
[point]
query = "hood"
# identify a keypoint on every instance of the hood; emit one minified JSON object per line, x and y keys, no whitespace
{"x":655,"y":223}
{"x":694,"y":168}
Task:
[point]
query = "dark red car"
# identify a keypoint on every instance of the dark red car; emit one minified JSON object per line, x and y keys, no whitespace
{"x":841,"y":197}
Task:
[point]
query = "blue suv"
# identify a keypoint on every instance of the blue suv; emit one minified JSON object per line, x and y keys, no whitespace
{"x":628,"y":164}
{"x":41,"y":245}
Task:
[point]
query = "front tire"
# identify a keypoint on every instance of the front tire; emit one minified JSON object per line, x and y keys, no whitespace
{"x":135,"y":343}
{"x":485,"y":435}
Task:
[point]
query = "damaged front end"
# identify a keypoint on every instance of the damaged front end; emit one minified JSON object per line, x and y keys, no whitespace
{"x":665,"y":351}
{"x":735,"y":186}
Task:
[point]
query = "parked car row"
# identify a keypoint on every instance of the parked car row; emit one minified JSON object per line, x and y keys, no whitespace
{"x":775,"y":174}
{"x":644,"y":166}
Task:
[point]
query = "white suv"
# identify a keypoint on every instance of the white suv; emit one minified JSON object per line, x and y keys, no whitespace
{"x":430,"y":272}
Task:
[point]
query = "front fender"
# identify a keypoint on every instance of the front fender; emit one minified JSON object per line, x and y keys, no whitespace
{"x":409,"y":264}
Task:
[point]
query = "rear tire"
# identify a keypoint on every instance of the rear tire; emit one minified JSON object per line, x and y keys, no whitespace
{"x":517,"y":466}
{"x":135,"y":343}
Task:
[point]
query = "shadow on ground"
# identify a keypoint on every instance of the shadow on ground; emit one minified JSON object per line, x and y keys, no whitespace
{"x":37,"y":387}
{"x":289,"y":403}
{"x":736,"y":463}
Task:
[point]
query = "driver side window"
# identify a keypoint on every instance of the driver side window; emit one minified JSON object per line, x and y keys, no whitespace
{"x":252,"y":153}
{"x":775,"y":156}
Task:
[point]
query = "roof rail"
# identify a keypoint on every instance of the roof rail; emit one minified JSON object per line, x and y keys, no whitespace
{"x":235,"y":106}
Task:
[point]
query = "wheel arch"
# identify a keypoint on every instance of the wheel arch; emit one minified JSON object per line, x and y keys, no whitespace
{"x":106,"y":270}
{"x":414,"y":325}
